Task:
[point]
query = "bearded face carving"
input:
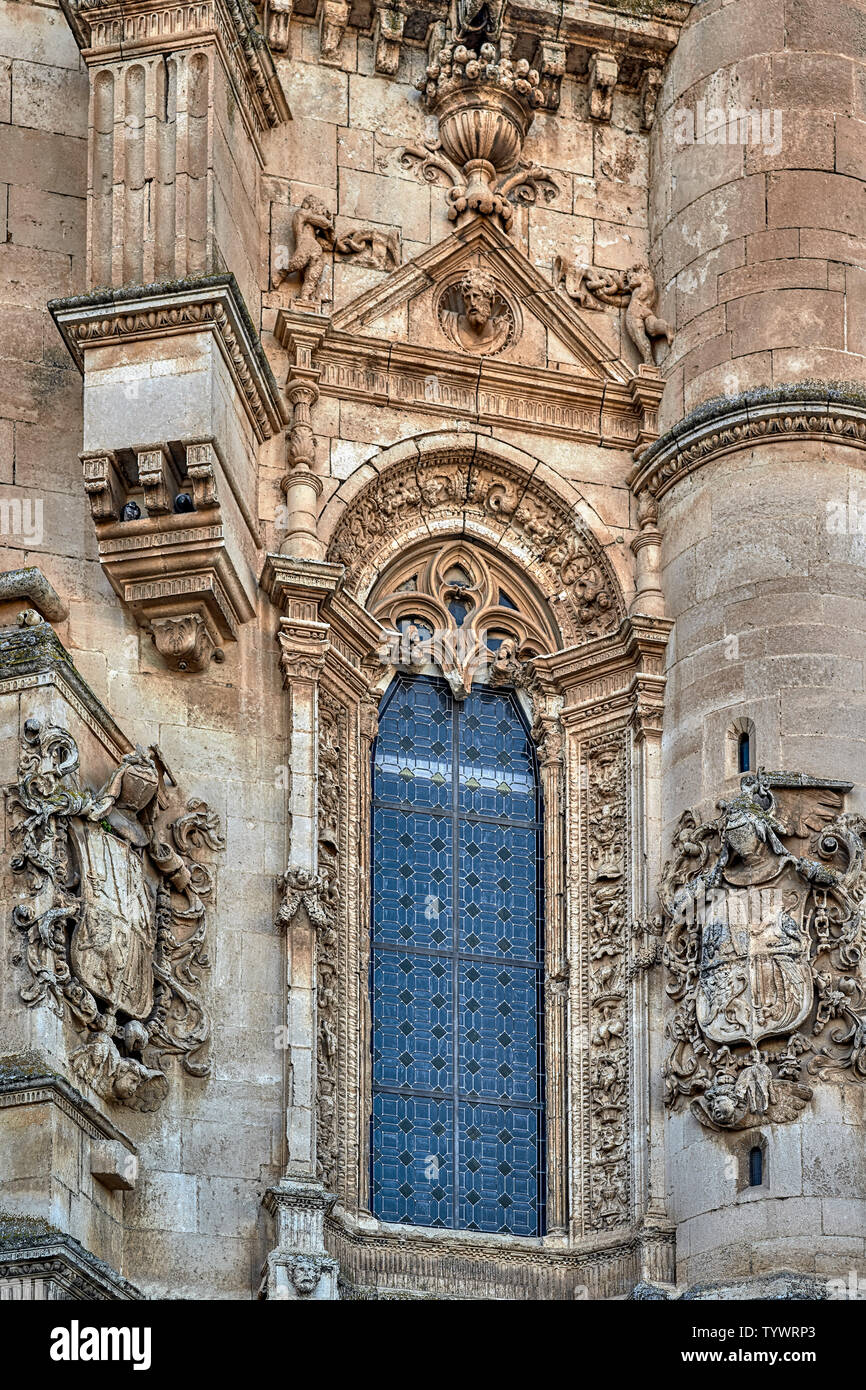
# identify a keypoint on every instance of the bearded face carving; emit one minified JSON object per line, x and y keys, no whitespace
{"x":474,"y":314}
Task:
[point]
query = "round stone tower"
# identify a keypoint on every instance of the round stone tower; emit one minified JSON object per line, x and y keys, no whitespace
{"x":757,"y":224}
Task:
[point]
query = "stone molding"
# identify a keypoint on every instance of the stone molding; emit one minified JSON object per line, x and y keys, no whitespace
{"x":552,"y":39}
{"x":38,"y":1263}
{"x":725,"y":425}
{"x":107,"y":30}
{"x":32,"y":657}
{"x":405,"y":1261}
{"x":210,"y":303}
{"x":26,"y":1082}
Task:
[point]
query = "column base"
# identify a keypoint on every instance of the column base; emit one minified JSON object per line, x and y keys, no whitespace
{"x":299,"y":1266}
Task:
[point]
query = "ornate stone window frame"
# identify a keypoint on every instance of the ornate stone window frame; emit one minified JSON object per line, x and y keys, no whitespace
{"x":596,"y":710}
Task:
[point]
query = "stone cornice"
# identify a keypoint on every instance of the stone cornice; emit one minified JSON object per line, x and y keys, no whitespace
{"x":611,"y":675}
{"x":107,"y":30}
{"x":203,"y":303}
{"x":31,"y":657}
{"x":31,"y":1249}
{"x":485,"y":391}
{"x":727,"y":424}
{"x":26,"y":1082}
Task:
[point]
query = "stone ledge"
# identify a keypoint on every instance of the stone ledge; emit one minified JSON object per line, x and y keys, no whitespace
{"x":809,"y":410}
{"x":38,"y":1262}
{"x":35,"y":656}
{"x":161,"y":310}
{"x":27,"y":1081}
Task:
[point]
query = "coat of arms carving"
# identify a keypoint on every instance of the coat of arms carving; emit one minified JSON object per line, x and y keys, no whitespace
{"x":763,"y":951}
{"x":114,"y":919}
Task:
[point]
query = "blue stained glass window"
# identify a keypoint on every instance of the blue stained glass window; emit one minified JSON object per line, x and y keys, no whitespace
{"x":457,"y":1129}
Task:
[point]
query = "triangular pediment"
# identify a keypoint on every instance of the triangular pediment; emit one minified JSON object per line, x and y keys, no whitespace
{"x":536,"y":326}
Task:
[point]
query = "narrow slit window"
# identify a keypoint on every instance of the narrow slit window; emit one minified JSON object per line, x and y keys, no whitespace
{"x":756,"y":1166}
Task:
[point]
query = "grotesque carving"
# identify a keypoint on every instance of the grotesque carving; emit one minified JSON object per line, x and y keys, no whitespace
{"x":114,"y":920}
{"x":763,"y":954}
{"x":475,"y":316}
{"x":315,"y":235}
{"x":633,"y":289}
{"x":313,"y":230}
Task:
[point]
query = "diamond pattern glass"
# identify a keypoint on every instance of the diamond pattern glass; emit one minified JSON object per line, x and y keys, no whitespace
{"x":457,"y":1131}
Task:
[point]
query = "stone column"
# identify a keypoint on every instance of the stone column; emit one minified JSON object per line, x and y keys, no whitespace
{"x":757,"y":166}
{"x":301,"y":485}
{"x":547,"y":732}
{"x":299,"y":1265}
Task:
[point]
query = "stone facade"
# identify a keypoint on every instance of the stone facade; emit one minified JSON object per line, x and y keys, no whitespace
{"x":308,"y":308}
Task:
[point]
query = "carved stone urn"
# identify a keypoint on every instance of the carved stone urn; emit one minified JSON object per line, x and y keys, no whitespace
{"x":484,"y":107}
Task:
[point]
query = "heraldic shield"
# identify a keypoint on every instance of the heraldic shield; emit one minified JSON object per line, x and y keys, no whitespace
{"x":113,"y":912}
{"x":755,"y":977}
{"x":764,"y":951}
{"x":113,"y":942}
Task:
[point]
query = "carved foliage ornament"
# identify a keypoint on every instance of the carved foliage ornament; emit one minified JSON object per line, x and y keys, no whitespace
{"x":114,"y":918}
{"x":763,"y":956}
{"x":563,"y":557}
{"x":606,"y":877}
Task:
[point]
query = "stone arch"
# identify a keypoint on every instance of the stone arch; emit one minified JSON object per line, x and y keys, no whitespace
{"x":470,"y":485}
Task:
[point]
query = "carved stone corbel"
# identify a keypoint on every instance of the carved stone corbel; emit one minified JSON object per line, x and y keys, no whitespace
{"x":103,"y":483}
{"x":388,"y":36}
{"x":163,"y":547}
{"x":648,"y":95}
{"x":279,"y":25}
{"x":185,"y":643}
{"x":603,"y":76}
{"x":332,"y":27}
{"x":154,"y":472}
{"x":550,"y":61}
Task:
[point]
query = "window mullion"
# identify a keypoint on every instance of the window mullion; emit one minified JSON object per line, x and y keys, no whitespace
{"x":455,"y":955}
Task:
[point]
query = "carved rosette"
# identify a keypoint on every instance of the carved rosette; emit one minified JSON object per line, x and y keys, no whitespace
{"x":113,"y":916}
{"x":493,"y":503}
{"x":605,"y":767}
{"x":763,"y":952}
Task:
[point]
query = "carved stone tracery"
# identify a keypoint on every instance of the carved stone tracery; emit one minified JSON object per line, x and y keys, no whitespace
{"x":495,"y":503}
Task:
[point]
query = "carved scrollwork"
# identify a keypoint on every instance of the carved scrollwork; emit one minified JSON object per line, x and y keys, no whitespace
{"x":763,"y":955}
{"x":606,"y":867}
{"x":563,"y":558}
{"x":113,"y":920}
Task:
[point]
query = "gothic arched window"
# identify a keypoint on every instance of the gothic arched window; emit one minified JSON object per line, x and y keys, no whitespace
{"x":457,"y":1130}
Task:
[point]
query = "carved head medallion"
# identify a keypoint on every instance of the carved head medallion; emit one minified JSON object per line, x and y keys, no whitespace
{"x":475,"y":315}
